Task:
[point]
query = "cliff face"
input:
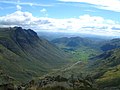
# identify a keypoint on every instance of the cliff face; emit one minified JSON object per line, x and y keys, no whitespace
{"x":24,"y":55}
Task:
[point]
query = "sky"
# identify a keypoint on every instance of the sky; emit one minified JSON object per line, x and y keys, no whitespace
{"x":99,"y":17}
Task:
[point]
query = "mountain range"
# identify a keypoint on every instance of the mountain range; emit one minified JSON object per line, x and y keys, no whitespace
{"x":26,"y":56}
{"x":23,"y":55}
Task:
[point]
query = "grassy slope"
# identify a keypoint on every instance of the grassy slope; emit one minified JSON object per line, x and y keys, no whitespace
{"x":106,"y":68}
{"x":24,"y":57}
{"x":110,"y":77}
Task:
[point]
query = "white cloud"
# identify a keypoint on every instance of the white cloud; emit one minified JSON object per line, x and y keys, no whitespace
{"x":24,"y":3}
{"x":24,"y":19}
{"x":113,"y":5}
{"x":43,"y":10}
{"x":84,"y":24}
{"x":18,"y":7}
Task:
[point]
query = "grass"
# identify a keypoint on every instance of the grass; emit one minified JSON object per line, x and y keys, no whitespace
{"x":110,"y":78}
{"x":82,"y":53}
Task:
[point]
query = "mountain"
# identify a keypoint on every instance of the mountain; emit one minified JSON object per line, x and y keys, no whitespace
{"x":23,"y":55}
{"x":73,"y":41}
{"x":95,"y":43}
{"x":54,"y":35}
{"x":105,"y":68}
{"x":111,"y":44}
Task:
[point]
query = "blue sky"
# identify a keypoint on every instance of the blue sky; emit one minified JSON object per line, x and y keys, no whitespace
{"x":101,"y":17}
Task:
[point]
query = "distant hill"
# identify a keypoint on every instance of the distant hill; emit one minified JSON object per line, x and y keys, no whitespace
{"x":53,"y":35}
{"x":73,"y":41}
{"x":96,"y":43}
{"x":23,"y":55}
{"x":111,"y":44}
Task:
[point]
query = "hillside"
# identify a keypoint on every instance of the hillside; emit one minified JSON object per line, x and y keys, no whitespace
{"x":23,"y":55}
{"x":105,"y":68}
{"x":111,"y":44}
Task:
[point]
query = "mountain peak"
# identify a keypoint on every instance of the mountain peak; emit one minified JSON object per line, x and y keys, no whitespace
{"x":25,"y":31}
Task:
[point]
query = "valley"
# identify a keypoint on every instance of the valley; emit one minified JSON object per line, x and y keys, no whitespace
{"x":31,"y":62}
{"x":59,"y":44}
{"x":80,"y":49}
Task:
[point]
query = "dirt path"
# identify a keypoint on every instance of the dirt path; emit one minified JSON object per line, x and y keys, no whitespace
{"x":78,"y":62}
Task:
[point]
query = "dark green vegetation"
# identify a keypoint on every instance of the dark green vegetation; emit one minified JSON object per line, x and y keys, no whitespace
{"x":23,"y":55}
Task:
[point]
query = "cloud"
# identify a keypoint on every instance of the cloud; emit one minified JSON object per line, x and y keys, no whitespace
{"x":24,"y":19}
{"x":84,"y":24}
{"x":90,"y":10}
{"x":116,"y":28}
{"x":113,"y":5}
{"x":18,"y":7}
{"x":43,"y":10}
{"x":18,"y":2}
